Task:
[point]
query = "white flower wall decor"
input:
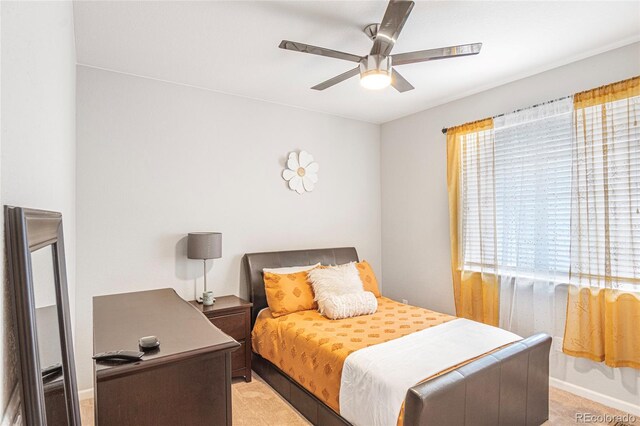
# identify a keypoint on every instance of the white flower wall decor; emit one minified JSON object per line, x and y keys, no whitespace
{"x":301,"y":172}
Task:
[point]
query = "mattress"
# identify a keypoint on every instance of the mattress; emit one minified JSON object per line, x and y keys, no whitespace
{"x":312,"y":349}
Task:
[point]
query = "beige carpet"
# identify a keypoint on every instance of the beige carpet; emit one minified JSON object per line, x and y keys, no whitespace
{"x":256,"y":404}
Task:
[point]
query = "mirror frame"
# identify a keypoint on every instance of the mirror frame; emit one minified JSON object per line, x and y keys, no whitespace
{"x":27,"y":230}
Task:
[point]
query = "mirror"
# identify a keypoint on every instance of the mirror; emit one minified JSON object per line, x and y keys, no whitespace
{"x":49,"y":350}
{"x":35,"y":254}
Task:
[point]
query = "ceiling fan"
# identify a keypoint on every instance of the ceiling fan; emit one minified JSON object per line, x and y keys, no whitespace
{"x":377,"y":68}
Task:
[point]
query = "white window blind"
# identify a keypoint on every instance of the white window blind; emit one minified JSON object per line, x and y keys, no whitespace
{"x":550,"y":192}
{"x":516,"y":194}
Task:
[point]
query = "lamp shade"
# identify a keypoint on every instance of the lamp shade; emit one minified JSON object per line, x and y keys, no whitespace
{"x":204,"y":245}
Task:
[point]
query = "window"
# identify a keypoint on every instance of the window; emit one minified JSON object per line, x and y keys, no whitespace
{"x":553,"y":191}
{"x":516,"y":192}
{"x":551,"y":195}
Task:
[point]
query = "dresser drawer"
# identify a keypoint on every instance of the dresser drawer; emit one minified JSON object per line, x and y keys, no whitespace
{"x":239,"y":357}
{"x":234,"y":325}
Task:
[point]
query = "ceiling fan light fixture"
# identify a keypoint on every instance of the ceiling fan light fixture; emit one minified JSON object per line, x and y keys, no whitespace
{"x":375,"y":72}
{"x":375,"y":80}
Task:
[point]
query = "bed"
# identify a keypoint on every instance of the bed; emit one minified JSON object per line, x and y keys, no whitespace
{"x":508,"y":386}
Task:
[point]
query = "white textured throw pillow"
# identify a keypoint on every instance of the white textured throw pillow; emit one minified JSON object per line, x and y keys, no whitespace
{"x":334,"y":281}
{"x":350,"y":305}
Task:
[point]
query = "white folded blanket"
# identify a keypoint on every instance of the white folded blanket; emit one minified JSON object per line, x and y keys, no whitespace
{"x":375,"y":380}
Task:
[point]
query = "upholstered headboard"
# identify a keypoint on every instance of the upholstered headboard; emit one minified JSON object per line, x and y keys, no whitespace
{"x":254,"y":263}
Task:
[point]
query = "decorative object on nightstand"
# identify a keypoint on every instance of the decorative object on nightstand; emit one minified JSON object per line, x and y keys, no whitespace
{"x":205,"y":245}
{"x":232,"y":315}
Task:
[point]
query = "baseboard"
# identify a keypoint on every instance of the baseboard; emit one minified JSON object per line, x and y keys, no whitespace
{"x":618,"y":404}
{"x":12,"y":415}
{"x":85,"y":394}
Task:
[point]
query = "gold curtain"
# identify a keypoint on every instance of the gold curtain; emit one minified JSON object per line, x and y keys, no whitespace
{"x":476,"y":292}
{"x":603,"y":307}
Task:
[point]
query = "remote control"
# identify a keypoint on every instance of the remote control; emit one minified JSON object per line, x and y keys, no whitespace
{"x":120,"y":355}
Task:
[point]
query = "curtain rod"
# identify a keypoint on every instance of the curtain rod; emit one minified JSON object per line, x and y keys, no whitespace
{"x":444,"y":129}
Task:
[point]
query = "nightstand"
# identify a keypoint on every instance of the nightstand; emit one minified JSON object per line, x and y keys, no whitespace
{"x":232,"y":315}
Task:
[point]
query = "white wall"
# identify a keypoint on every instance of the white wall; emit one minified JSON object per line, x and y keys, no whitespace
{"x":38,"y":135}
{"x":159,"y":160}
{"x":415,"y":213}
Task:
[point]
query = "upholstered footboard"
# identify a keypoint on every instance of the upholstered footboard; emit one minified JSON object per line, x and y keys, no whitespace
{"x":507,"y":387}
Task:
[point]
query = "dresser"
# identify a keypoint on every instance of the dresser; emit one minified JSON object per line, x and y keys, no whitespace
{"x":232,"y":315}
{"x":187,"y":380}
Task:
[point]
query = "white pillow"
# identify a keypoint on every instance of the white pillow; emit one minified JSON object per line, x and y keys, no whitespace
{"x":334,"y":281}
{"x":350,"y":305}
{"x":290,"y":269}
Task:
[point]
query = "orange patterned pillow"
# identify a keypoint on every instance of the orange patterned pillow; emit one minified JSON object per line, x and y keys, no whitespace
{"x":287,"y":293}
{"x":368,"y":278}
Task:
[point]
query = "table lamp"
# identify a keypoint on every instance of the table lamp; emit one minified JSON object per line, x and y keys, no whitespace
{"x":205,"y":245}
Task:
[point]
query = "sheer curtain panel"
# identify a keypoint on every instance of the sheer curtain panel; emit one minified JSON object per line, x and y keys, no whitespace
{"x":603,"y":309}
{"x":471,"y":187}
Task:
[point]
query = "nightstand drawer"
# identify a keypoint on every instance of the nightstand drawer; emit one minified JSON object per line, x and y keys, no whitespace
{"x":234,"y":325}
{"x":238,"y":357}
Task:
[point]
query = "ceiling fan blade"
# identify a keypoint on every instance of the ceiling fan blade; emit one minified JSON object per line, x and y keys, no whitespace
{"x":337,"y":79}
{"x":315,"y":50}
{"x":394,"y":18}
{"x":433,"y":54}
{"x":399,"y":82}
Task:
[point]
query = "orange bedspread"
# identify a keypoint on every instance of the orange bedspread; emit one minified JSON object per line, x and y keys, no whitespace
{"x":312,"y":349}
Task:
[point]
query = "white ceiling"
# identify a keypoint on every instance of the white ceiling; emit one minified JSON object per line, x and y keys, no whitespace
{"x":232,"y":46}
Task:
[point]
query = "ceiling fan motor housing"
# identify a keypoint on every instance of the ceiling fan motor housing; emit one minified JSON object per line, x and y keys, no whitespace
{"x":375,"y":64}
